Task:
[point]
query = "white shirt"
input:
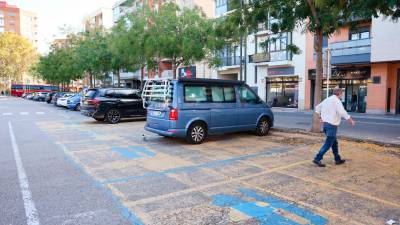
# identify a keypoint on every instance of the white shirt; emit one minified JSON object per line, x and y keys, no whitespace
{"x":332,"y":110}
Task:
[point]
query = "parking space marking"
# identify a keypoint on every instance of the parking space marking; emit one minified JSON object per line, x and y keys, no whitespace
{"x":215,"y":184}
{"x":267,"y":209}
{"x":326,"y":184}
{"x":30,"y":209}
{"x":134,"y":152}
{"x":7,"y":114}
{"x":211,"y":164}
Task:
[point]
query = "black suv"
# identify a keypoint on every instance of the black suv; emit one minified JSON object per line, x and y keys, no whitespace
{"x":112,"y":104}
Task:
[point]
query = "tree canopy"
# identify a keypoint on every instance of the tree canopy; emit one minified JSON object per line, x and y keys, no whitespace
{"x":16,"y":56}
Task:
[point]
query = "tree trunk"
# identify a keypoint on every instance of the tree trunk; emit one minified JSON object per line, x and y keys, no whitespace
{"x":141,"y":78}
{"x":118,"y":78}
{"x":316,"y":126}
{"x":174,"y":69}
{"x":91,"y":80}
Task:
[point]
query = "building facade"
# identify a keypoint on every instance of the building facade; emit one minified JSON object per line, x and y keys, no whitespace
{"x":269,"y":67}
{"x":23,"y":23}
{"x":365,"y":63}
{"x":101,"y":18}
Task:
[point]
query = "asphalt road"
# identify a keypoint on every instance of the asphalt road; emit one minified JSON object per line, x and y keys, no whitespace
{"x":58,"y":167}
{"x":385,"y":129}
{"x":45,"y":183}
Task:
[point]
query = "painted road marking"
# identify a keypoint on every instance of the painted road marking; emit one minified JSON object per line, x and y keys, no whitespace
{"x":134,"y":152}
{"x":30,"y":209}
{"x":40,"y":113}
{"x":23,"y":113}
{"x":267,"y":210}
{"x":211,"y":164}
{"x":7,"y":114}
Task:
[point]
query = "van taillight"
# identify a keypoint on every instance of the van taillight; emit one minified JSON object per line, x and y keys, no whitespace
{"x":173,"y":114}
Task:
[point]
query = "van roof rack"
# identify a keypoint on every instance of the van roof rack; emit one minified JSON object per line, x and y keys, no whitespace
{"x":159,"y":89}
{"x":205,"y":80}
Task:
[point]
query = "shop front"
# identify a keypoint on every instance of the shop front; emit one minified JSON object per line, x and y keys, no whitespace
{"x":282,"y":87}
{"x":353,"y":81}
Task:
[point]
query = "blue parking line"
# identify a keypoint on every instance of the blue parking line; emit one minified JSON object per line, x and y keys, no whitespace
{"x":131,"y":217}
{"x":193,"y":168}
{"x":266,"y":215}
{"x":134,"y":152}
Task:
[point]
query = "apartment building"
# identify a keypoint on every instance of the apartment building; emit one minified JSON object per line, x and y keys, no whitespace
{"x":9,"y":18}
{"x":274,"y":72}
{"x":101,"y":18}
{"x":365,"y":62}
{"x":19,"y":21}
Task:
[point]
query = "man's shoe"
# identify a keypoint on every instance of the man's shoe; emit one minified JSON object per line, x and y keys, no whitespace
{"x":318,"y":163}
{"x":340,"y":162}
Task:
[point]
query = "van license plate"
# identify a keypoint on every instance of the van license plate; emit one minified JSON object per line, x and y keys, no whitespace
{"x":156,"y":113}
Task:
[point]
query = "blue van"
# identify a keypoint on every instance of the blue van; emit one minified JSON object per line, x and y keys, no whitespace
{"x":193,"y":108}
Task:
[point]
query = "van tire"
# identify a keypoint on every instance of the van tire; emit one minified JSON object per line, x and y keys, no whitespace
{"x":196,"y":133}
{"x":263,"y":127}
{"x":113,"y":116}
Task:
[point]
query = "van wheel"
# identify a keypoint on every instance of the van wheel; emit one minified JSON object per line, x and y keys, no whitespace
{"x":263,"y":127}
{"x":196,"y":134}
{"x":113,"y":116}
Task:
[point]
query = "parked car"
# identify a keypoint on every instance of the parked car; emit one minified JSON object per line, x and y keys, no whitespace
{"x":63,"y":100}
{"x":56,"y":96}
{"x":40,"y":96}
{"x":74,"y":102}
{"x":49,"y":96}
{"x":30,"y":96}
{"x":112,"y":104}
{"x":194,"y":108}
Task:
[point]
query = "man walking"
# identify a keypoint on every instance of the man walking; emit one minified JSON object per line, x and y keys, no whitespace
{"x":331,"y":111}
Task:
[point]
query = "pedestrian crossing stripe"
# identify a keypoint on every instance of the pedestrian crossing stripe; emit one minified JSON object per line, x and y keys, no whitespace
{"x":7,"y":114}
{"x":24,"y":113}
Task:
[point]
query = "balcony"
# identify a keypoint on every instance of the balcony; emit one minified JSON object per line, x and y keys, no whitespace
{"x":224,"y":8}
{"x":230,"y":61}
{"x":348,"y":52}
{"x":273,"y":56}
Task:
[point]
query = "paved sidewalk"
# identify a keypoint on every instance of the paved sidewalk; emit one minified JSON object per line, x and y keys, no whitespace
{"x":384,"y":129}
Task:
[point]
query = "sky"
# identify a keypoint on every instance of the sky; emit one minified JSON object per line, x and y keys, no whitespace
{"x":54,"y":14}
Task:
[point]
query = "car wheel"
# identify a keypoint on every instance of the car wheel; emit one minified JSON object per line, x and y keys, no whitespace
{"x":113,"y":116}
{"x":78,"y":107}
{"x":196,"y":134}
{"x":263,"y":127}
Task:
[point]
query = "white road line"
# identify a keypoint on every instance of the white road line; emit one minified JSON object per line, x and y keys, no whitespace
{"x":23,"y":113}
{"x":30,"y":209}
{"x":7,"y":114}
{"x":40,"y":113}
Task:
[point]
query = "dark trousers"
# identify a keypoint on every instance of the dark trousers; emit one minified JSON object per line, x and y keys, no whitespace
{"x":330,"y":142}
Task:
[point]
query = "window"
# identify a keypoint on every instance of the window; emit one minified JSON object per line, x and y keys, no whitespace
{"x":1,"y":21}
{"x":247,"y":96}
{"x":195,"y":93}
{"x":229,"y":94}
{"x":359,"y":33}
{"x":217,"y":94}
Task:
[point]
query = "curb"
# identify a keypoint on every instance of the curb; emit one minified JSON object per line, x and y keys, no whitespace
{"x":347,"y":138}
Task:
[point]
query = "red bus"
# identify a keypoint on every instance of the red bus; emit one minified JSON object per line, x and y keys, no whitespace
{"x":18,"y":89}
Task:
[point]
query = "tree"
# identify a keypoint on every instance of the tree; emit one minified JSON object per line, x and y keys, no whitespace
{"x":319,"y":17}
{"x":181,"y":35}
{"x":16,"y":57}
{"x":94,"y":55}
